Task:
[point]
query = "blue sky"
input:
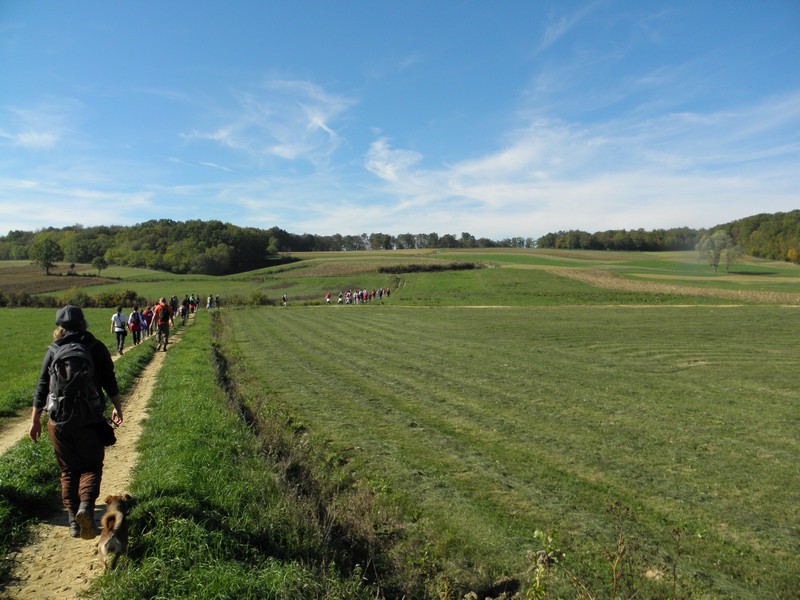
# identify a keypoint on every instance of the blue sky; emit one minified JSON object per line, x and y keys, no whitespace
{"x":497,"y":118}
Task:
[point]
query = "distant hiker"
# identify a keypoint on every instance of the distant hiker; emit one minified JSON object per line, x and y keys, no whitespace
{"x":162,"y":316}
{"x":210,"y":302}
{"x":147,"y":314}
{"x":328,"y":298}
{"x":284,"y":300}
{"x":79,"y":435}
{"x":119,"y":326}
{"x":136,"y":325}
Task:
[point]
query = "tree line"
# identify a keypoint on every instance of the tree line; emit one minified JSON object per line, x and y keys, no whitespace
{"x":216,"y":248}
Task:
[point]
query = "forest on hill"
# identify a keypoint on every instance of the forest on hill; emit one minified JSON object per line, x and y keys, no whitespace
{"x":774,"y":236}
{"x":216,"y":248}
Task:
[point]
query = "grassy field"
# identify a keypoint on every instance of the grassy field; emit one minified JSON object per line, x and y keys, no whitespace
{"x":316,"y":273}
{"x":601,"y":398}
{"x":589,"y":422}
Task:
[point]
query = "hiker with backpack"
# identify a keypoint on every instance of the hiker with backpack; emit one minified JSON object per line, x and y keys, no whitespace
{"x":162,"y":316}
{"x":119,"y":327}
{"x":136,"y":325}
{"x":76,"y":371}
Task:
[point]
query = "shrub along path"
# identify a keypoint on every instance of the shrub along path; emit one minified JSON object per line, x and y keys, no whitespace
{"x":55,"y":565}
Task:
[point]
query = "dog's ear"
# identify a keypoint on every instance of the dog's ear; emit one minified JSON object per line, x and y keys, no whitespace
{"x":128,"y":497}
{"x":109,"y":499}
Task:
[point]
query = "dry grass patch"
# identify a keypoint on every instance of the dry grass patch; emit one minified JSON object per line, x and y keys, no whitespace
{"x":30,"y":279}
{"x":610,"y":280}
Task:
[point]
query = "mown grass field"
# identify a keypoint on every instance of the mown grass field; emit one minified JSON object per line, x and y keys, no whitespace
{"x":588,"y":422}
{"x":475,"y":408}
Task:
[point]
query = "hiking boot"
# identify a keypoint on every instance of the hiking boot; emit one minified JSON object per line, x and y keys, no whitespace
{"x":74,"y":528}
{"x":85,"y":521}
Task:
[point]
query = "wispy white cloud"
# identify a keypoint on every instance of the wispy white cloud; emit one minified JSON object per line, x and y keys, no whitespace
{"x":389,"y":164}
{"x":559,"y":25}
{"x":216,"y":166}
{"x":36,"y":128}
{"x":31,"y":139}
{"x":66,"y":205}
{"x":290,"y":119}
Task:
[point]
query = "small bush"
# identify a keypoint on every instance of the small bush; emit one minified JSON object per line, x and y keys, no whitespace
{"x":77,"y":297}
{"x":429,"y":268}
{"x":118,"y":298}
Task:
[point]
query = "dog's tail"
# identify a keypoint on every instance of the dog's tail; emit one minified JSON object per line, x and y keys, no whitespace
{"x":113,"y":521}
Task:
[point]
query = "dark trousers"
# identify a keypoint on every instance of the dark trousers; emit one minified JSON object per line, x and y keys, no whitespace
{"x":163,"y":334}
{"x":120,"y":339}
{"x":80,"y":454}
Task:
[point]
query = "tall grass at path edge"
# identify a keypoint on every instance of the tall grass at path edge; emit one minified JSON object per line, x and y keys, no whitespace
{"x":210,"y":520}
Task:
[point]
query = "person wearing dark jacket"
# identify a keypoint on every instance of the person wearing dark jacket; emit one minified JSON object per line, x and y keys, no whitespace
{"x":79,"y":450}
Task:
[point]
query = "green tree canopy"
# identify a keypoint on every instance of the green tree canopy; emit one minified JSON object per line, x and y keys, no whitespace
{"x":45,"y":252}
{"x":717,"y":246}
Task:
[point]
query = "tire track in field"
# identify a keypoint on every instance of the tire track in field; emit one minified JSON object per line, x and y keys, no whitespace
{"x":56,"y":566}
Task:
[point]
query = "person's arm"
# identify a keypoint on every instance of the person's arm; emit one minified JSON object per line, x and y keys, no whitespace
{"x":116,"y":413}
{"x":36,"y":424}
{"x":40,"y":398}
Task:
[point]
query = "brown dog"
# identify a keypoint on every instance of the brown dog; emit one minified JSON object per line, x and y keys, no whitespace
{"x":114,"y":526}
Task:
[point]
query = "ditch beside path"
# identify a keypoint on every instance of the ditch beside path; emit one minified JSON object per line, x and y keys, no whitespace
{"x":55,"y":565}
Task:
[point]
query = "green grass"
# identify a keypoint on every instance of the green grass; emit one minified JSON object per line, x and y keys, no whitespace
{"x":210,"y":519}
{"x":518,"y":287}
{"x":490,"y":424}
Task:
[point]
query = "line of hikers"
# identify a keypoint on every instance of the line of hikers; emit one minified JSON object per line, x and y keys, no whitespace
{"x":359,"y":296}
{"x":155,"y":319}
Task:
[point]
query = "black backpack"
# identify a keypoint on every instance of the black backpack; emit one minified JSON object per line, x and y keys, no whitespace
{"x":74,"y":397}
{"x":163,"y":314}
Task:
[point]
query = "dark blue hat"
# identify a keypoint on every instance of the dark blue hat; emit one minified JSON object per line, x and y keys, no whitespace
{"x":70,"y":317}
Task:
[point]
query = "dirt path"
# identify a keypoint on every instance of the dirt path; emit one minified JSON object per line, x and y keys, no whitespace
{"x":56,"y":566}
